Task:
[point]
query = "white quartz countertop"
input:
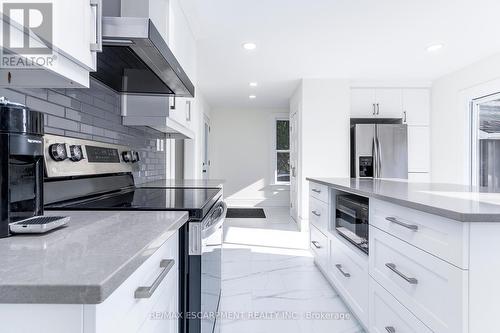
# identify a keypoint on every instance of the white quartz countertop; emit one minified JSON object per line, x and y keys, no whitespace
{"x":457,"y":202}
{"x":84,"y":262}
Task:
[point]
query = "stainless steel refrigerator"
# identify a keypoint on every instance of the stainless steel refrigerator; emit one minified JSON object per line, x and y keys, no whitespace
{"x":379,"y":150}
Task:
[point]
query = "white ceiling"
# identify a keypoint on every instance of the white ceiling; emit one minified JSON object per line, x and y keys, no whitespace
{"x":355,"y":39}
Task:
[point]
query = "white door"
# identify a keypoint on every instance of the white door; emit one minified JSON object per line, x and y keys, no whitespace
{"x":293,"y":166}
{"x":206,"y":160}
{"x":389,"y":103}
{"x":363,"y":103}
{"x":416,"y":107}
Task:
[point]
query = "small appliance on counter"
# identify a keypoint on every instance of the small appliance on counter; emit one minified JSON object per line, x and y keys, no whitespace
{"x":22,"y":171}
{"x":351,"y":220}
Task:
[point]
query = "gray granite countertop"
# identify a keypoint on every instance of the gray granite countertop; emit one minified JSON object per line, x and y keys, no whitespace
{"x":457,"y":202}
{"x":84,"y":262}
{"x":196,"y":183}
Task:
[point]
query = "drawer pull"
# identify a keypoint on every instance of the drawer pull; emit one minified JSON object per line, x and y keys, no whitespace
{"x":396,"y":221}
{"x":316,"y":244}
{"x":147,"y":292}
{"x":390,"y":329}
{"x":339,"y":267}
{"x":393,"y":268}
{"x":316,"y":213}
{"x":315,"y":190}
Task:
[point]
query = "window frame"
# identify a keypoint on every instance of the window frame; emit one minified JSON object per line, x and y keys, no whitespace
{"x":275,"y":150}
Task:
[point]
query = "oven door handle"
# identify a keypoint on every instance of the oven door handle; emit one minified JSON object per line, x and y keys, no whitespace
{"x":215,"y":222}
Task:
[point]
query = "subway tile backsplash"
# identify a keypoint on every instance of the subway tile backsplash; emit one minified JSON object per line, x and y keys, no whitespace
{"x":94,"y":114}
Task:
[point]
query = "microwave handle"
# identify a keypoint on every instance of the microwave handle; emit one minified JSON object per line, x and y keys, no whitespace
{"x":348,"y":211}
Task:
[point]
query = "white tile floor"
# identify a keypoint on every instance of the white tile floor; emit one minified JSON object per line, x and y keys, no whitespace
{"x":268,"y":271}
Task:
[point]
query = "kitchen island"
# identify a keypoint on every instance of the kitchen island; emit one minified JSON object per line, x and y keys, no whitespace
{"x":92,"y":275}
{"x":432,"y":259}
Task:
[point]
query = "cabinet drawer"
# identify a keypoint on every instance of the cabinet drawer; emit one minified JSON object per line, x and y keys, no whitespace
{"x":433,"y":290}
{"x":319,"y":214}
{"x":444,"y":238}
{"x":319,"y":192}
{"x":388,"y":315}
{"x":349,"y":270}
{"x":319,"y":246}
{"x":121,"y":311}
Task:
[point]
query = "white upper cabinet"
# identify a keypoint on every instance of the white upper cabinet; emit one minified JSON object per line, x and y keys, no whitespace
{"x":410,"y":104}
{"x":376,"y":102}
{"x":70,"y":35}
{"x":363,"y":103}
{"x":389,"y":103}
{"x":416,"y":107}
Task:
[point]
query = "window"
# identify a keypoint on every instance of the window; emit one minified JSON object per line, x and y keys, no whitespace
{"x":282,"y":151}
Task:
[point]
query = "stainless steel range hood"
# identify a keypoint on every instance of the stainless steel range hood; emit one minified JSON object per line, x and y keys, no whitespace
{"x":137,"y":60}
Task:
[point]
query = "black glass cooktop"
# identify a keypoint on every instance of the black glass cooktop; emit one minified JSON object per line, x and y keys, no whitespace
{"x":195,"y":200}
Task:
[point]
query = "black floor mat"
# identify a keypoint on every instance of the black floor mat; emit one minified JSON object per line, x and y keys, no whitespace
{"x":245,"y":213}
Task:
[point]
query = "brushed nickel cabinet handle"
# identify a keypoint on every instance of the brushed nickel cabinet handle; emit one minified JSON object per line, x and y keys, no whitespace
{"x":393,"y":268}
{"x":316,"y":213}
{"x":315,"y":190}
{"x":394,"y":220}
{"x":390,"y":329}
{"x":378,"y":109}
{"x":97,"y":46}
{"x":147,"y":292}
{"x":316,"y":244}
{"x":404,"y":116}
{"x":374,"y":109}
{"x":345,"y":274}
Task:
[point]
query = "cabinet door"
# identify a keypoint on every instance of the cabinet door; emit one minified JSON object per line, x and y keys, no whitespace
{"x":182,"y":111}
{"x":418,"y":149}
{"x":416,"y":106}
{"x":362,"y":103}
{"x":389,"y":103}
{"x":75,"y":30}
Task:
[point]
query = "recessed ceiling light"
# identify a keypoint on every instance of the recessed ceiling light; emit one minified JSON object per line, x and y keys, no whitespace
{"x":249,"y":46}
{"x":434,"y":47}
{"x":253,"y":84}
{"x":252,"y":97}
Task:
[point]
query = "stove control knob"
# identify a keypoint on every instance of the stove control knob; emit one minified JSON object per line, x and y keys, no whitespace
{"x":137,"y":158}
{"x":58,"y":152}
{"x":127,"y":156}
{"x":75,"y":153}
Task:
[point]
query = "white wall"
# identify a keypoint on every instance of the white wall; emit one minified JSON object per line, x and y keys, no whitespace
{"x":324,"y":121}
{"x":241,"y":153}
{"x":451,"y":95}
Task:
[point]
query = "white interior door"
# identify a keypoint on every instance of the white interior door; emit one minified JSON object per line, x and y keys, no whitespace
{"x":293,"y":166}
{"x":206,"y":160}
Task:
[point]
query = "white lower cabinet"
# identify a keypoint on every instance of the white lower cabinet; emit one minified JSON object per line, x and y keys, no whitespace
{"x":387,"y":315}
{"x":432,"y":289}
{"x":349,"y":272}
{"x":123,"y":312}
{"x":319,"y":214}
{"x":120,"y":312}
{"x":319,"y":246}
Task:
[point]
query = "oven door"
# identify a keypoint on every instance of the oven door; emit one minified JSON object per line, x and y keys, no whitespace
{"x":211,"y":266}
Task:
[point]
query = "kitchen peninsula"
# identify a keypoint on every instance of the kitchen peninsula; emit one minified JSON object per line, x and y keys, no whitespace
{"x":431,"y":264}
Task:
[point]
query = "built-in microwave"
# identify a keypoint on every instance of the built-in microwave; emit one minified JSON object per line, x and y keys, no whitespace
{"x":351,"y":219}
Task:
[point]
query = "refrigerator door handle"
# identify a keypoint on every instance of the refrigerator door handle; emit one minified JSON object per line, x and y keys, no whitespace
{"x":379,"y":157}
{"x":375,"y":158}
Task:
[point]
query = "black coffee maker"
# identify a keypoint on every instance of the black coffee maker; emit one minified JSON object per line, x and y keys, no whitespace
{"x":21,"y":164}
